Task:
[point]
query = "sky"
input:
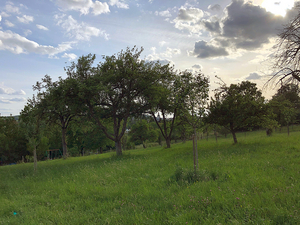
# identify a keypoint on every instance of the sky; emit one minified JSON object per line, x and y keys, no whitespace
{"x":231,"y":39}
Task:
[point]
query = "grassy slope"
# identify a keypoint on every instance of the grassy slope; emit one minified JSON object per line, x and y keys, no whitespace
{"x":253,"y":182}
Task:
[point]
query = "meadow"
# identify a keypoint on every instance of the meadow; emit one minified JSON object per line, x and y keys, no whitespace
{"x":253,"y":182}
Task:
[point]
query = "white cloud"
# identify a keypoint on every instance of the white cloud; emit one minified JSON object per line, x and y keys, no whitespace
{"x":70,"y":56}
{"x":163,"y":57}
{"x":79,"y":31}
{"x":119,"y":4}
{"x":41,"y":27}
{"x":0,"y":18}
{"x":162,"y":43}
{"x":25,"y":19}
{"x":189,"y":19}
{"x":17,"y":44}
{"x":10,"y":91}
{"x":78,"y":5}
{"x":165,"y":13}
{"x":170,"y":52}
{"x":100,"y":8}
{"x":9,"y":7}
{"x":84,"y":6}
{"x":9,"y":24}
{"x":27,"y":32}
{"x":11,"y":100}
{"x":215,"y":7}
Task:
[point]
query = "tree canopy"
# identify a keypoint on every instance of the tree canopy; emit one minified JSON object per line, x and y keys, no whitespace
{"x":237,"y":107}
{"x":114,"y":90}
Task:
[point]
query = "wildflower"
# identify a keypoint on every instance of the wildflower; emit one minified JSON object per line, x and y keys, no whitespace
{"x":237,"y":198}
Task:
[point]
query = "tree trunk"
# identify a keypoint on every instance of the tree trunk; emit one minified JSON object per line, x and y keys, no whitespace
{"x":194,"y":153}
{"x":168,"y":142}
{"x":233,"y":133}
{"x":216,"y":136}
{"x":64,"y":143}
{"x":234,"y":137}
{"x":118,"y":147}
{"x":196,"y":148}
{"x":34,"y":158}
{"x":288,"y":129}
{"x":144,"y":146}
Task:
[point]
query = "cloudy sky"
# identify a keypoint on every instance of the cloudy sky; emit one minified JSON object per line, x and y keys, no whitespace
{"x":227,"y":38}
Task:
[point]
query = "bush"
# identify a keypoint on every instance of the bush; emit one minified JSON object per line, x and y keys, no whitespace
{"x":188,"y":176}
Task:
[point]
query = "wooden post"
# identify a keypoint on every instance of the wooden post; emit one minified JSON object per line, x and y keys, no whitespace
{"x":194,"y":153}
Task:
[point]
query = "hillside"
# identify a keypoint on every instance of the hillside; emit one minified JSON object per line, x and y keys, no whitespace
{"x":253,"y":182}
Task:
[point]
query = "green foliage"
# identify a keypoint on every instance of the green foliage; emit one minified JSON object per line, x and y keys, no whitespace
{"x":84,"y":135}
{"x":183,"y":96}
{"x":141,"y":132}
{"x":118,"y":88}
{"x":286,"y":104}
{"x":12,"y":139}
{"x":56,"y":103}
{"x":238,"y":107}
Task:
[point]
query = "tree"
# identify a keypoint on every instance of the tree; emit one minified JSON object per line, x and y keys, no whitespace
{"x":33,"y":127}
{"x":238,"y":107}
{"x":115,"y":90}
{"x":286,"y":104}
{"x":196,"y":88}
{"x":287,"y":55}
{"x":84,"y":135}
{"x":165,"y":110}
{"x":141,"y":132}
{"x":12,"y":139}
{"x":56,"y":103}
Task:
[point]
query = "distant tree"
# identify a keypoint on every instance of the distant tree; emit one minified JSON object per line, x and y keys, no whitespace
{"x":237,"y":107}
{"x":84,"y":135}
{"x":115,"y":90}
{"x":33,"y":127}
{"x":13,"y":141}
{"x":289,"y":92}
{"x":286,"y":104}
{"x":141,"y":132}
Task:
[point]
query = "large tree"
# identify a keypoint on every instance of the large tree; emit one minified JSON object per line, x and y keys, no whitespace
{"x":238,"y":107}
{"x":56,"y":103}
{"x":166,"y":109}
{"x":115,"y":89}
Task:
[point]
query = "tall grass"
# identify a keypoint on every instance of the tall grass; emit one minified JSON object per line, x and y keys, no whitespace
{"x":253,"y":182}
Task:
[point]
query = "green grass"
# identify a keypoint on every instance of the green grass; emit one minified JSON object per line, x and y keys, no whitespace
{"x":253,"y":182}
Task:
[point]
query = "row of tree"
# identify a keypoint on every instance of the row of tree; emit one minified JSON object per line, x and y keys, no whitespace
{"x":92,"y":107}
{"x":125,"y":100}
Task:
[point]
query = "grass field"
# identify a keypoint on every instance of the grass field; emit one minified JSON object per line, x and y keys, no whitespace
{"x":253,"y":182}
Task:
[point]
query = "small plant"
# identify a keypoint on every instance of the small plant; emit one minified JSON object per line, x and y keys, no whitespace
{"x":29,"y":158}
{"x":187,"y":176}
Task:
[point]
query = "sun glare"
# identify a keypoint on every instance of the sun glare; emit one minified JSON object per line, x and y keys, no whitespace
{"x":278,"y":7}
